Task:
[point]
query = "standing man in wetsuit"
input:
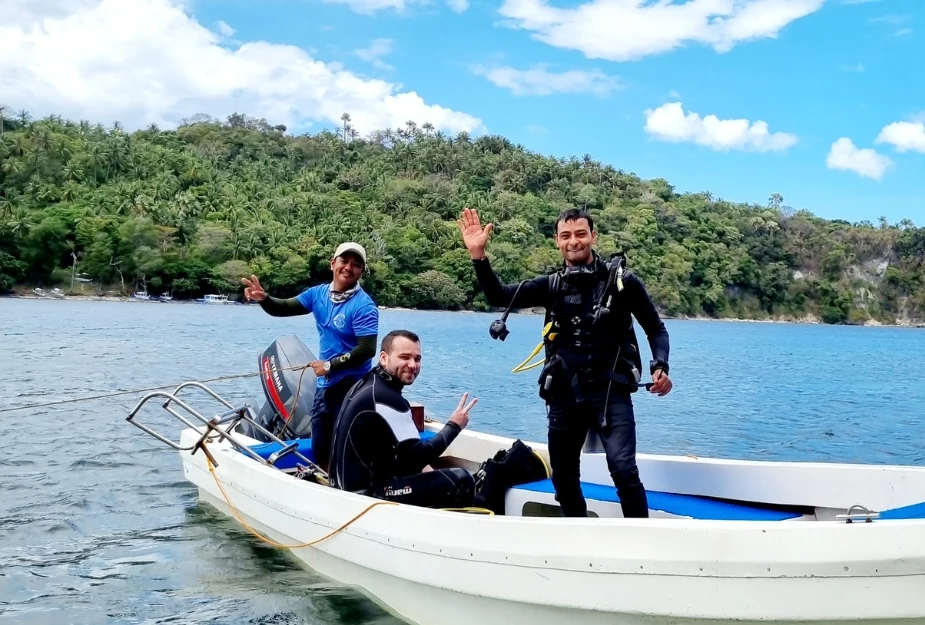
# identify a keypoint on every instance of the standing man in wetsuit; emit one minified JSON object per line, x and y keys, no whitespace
{"x":347,"y":320}
{"x":377,"y":449}
{"x":592,"y":366}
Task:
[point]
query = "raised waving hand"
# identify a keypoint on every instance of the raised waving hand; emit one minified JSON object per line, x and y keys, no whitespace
{"x":475,"y":237}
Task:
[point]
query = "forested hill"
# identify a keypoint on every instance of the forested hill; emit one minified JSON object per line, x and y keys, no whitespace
{"x":191,"y":210}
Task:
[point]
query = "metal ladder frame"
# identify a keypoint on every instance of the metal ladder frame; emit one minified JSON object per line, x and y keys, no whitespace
{"x":221,"y":426}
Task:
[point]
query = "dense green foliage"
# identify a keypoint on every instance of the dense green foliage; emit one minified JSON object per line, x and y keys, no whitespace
{"x":191,"y":210}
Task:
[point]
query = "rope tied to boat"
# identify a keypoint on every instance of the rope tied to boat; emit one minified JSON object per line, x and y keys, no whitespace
{"x":147,"y":390}
{"x":222,"y":378}
{"x":270,"y":541}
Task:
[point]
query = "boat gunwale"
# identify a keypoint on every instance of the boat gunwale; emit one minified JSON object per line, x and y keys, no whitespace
{"x":873,"y":554}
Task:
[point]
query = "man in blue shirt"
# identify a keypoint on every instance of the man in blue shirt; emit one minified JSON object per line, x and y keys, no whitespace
{"x":348,"y":326}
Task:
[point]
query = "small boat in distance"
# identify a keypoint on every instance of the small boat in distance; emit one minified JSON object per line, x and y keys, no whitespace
{"x":214,"y":299}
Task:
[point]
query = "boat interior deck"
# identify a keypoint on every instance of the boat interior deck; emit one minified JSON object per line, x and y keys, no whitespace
{"x":538,"y":498}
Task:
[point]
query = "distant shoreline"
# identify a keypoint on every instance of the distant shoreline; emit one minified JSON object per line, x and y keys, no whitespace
{"x":806,"y":320}
{"x":100,"y":298}
{"x":870,"y":323}
{"x":809,"y":320}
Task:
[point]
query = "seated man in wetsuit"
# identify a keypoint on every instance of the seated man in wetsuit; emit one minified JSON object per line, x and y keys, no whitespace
{"x":378,"y":451}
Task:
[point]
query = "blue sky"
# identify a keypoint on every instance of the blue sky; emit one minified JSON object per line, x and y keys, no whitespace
{"x":839,"y":83}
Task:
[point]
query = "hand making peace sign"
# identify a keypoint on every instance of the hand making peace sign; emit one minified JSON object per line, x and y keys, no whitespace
{"x":460,"y":416}
{"x":252,"y":289}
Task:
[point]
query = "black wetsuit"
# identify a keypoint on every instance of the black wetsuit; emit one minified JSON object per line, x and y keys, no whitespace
{"x":378,"y":451}
{"x":587,"y":366}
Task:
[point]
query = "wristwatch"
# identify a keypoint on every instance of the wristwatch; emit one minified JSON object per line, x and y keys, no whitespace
{"x":326,"y":366}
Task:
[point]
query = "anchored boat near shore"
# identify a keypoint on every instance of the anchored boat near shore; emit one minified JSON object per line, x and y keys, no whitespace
{"x":728,"y":540}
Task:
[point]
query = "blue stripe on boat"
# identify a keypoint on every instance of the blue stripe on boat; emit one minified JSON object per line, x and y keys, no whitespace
{"x":290,"y":460}
{"x":681,"y":505}
{"x":912,"y":511}
{"x":671,"y":503}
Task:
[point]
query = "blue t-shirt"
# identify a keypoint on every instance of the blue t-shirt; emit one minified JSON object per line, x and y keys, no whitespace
{"x":339,"y":325}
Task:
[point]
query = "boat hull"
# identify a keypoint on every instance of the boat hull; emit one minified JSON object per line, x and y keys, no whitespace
{"x":432,"y":567}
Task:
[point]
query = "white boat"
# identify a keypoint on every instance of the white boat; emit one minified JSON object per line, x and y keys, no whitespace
{"x":214,"y":299}
{"x":141,"y":296}
{"x":727,"y":541}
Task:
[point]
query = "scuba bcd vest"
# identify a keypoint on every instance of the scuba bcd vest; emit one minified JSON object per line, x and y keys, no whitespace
{"x":586,"y":332}
{"x":615,"y":268}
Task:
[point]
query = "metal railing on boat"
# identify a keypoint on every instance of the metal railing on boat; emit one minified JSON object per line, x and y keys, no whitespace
{"x":221,"y":427}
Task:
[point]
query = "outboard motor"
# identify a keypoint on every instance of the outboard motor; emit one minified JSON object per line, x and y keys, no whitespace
{"x":287,"y":409}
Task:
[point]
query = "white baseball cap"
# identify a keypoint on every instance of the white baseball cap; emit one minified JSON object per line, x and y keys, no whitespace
{"x":350,"y":246}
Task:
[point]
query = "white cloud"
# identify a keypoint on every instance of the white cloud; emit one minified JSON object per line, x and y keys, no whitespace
{"x":368,"y":7}
{"x":540,"y":81}
{"x":143,"y":61}
{"x":377,"y":49}
{"x":867,"y":162}
{"x":225,"y":29}
{"x":624,"y":30}
{"x":458,"y":6}
{"x":33,"y":11}
{"x":904,"y":136}
{"x":669,"y":123}
{"x":894,"y":19}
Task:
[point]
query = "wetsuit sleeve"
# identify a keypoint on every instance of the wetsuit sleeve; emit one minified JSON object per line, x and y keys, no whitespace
{"x":647,"y":315}
{"x":534,"y":292}
{"x":414,"y":454}
{"x":283,"y":307}
{"x":365,"y":349}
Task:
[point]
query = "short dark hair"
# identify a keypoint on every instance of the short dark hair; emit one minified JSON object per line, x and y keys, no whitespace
{"x":574,"y":214}
{"x":391,"y":336}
